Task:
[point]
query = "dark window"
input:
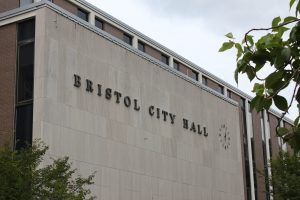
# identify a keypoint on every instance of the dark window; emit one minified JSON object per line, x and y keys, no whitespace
{"x":204,"y":80}
{"x":25,"y":2}
{"x":254,"y":167}
{"x":24,"y":89}
{"x":193,"y":75}
{"x":127,"y":38}
{"x":229,"y":94}
{"x":249,"y":107}
{"x":141,"y":46}
{"x":270,"y":148}
{"x":25,"y":72}
{"x":266,"y":174}
{"x":176,"y":65}
{"x":26,"y":30}
{"x":83,"y":14}
{"x":99,"y":23}
{"x":165,"y":59}
{"x":242,"y":103}
{"x":23,"y":126}
{"x":221,"y":89}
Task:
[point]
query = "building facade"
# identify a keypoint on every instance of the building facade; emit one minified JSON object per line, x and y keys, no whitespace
{"x":152,"y":124}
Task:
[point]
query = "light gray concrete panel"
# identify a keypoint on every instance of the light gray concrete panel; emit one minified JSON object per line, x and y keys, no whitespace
{"x":137,"y":156}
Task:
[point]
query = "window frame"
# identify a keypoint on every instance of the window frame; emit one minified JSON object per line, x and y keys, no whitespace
{"x":97,"y":19}
{"x":164,"y":57}
{"x":190,"y":71}
{"x":30,"y":100}
{"x":129,"y":37}
{"x":204,"y":80}
{"x":176,"y":65}
{"x":221,"y":89}
{"x":23,"y":138}
{"x":229,"y":94}
{"x":79,"y":11}
{"x":142,"y":44}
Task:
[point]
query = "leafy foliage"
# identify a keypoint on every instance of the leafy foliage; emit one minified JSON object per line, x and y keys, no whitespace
{"x":285,"y":176}
{"x":22,"y":178}
{"x":278,"y":50}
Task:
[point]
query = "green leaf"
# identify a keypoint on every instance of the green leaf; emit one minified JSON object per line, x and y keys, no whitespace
{"x":229,"y":35}
{"x":297,"y":8}
{"x":281,"y":131}
{"x":291,"y":3}
{"x":250,"y":73}
{"x":239,"y":50}
{"x":236,"y":75}
{"x":298,"y":95}
{"x":296,"y":122}
{"x":280,"y":102}
{"x":296,"y":64}
{"x":286,"y":54}
{"x":293,"y":33}
{"x":280,"y":31}
{"x":249,"y":38}
{"x":257,"y":103}
{"x":258,"y":89}
{"x":273,"y":78}
{"x":276,"y":21}
{"x":260,"y":58}
{"x":226,"y":46}
{"x":279,"y":85}
{"x":289,"y":18}
{"x":267,"y":103}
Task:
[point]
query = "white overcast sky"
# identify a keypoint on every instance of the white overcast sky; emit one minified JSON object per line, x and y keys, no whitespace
{"x":195,"y":29}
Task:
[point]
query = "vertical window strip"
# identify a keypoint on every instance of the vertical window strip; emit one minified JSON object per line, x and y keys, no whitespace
{"x":24,"y":84}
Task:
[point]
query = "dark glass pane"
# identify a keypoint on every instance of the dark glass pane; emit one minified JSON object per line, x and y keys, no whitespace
{"x":229,"y":94}
{"x":204,"y":80}
{"x":249,"y":107}
{"x":23,"y":126}
{"x":25,"y":72}
{"x":176,"y":65}
{"x":242,"y":103}
{"x":83,"y":15}
{"x":193,"y":75}
{"x":99,"y":23}
{"x":221,"y":89}
{"x":25,"y":2}
{"x":127,"y":39}
{"x":165,"y":59}
{"x":26,"y":30}
{"x":141,"y":46}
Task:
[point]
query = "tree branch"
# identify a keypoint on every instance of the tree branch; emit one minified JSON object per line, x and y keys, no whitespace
{"x":292,"y":99}
{"x":266,"y":29}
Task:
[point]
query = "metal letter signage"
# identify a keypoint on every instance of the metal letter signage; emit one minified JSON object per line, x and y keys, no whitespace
{"x":128,"y":102}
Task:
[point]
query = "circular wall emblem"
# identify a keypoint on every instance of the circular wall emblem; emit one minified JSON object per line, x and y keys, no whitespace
{"x":224,"y":136}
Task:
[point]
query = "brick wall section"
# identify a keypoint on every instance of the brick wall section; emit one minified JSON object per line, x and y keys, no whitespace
{"x":273,"y":121}
{"x":237,"y":98}
{"x":113,"y":31}
{"x":213,"y":85}
{"x":7,"y":81}
{"x":6,"y":5}
{"x":258,"y":151}
{"x":153,"y":52}
{"x":66,"y":5}
{"x":183,"y":69}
